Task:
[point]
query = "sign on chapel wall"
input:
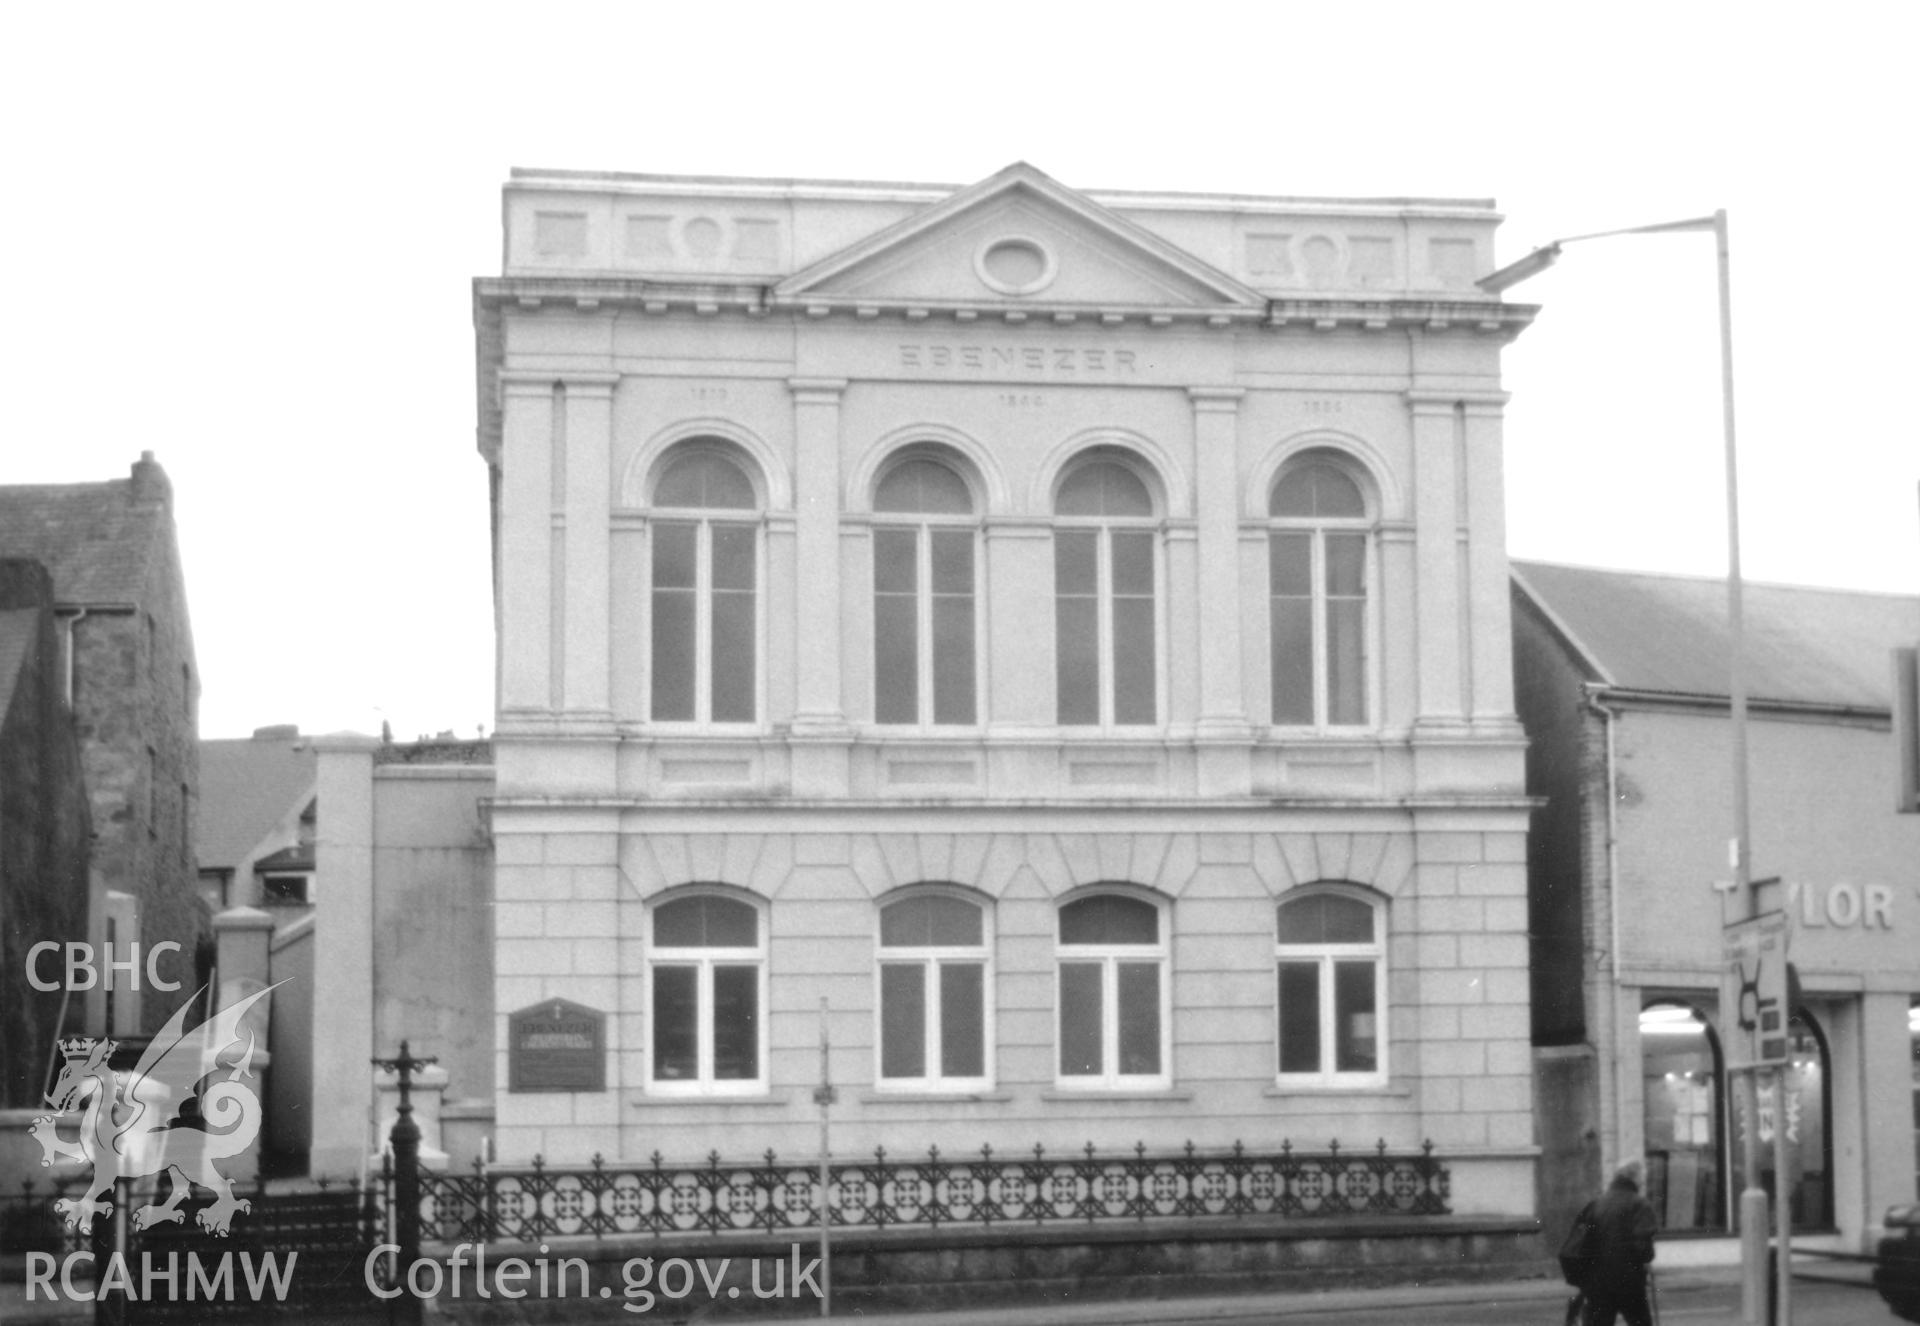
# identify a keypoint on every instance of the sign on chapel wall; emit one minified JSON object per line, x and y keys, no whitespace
{"x":556,"y":1045}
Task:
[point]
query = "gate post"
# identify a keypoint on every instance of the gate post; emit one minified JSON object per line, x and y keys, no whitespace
{"x":406,"y":1178}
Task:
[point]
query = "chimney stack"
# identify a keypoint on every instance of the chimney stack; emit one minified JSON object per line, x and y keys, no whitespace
{"x":150,"y":483}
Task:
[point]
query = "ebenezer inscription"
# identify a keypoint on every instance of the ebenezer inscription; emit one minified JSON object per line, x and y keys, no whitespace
{"x":557,"y":1045}
{"x":1053,"y":360}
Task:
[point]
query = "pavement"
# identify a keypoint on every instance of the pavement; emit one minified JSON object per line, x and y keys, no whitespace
{"x":1398,"y":1303}
{"x":1704,"y":1297}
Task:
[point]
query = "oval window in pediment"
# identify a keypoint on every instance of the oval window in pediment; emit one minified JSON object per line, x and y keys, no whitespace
{"x":1015,"y":265}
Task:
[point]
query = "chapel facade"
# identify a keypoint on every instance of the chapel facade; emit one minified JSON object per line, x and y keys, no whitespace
{"x":1040,"y":657}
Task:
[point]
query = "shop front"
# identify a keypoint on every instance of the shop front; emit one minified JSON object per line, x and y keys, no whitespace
{"x":1620,"y":681}
{"x":1696,"y":1128}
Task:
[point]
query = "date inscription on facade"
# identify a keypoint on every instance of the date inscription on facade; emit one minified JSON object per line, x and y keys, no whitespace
{"x":1054,"y":361}
{"x":557,"y":1045}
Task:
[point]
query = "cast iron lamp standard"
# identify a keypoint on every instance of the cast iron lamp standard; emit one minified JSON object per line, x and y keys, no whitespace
{"x":1753,"y":1198}
{"x":406,"y":1174}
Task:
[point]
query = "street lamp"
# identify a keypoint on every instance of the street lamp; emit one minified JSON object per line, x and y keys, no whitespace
{"x":1753,"y":1199}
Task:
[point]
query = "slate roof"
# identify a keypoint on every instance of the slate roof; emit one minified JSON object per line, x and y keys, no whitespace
{"x":94,"y":540}
{"x":1668,"y":634}
{"x":246,"y":787}
{"x":17,"y":632}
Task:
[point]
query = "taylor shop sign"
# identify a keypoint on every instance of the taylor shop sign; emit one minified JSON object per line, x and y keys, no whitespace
{"x":1841,"y":906}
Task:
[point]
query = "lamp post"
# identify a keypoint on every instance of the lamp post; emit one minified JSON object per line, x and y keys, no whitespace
{"x":1753,"y":1198}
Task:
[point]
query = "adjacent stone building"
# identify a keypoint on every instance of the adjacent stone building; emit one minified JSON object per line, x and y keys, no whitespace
{"x":44,"y":834}
{"x":254,"y":835}
{"x":127,"y":669}
{"x":398,"y":947}
{"x":1622,"y":683}
{"x":1053,"y":644}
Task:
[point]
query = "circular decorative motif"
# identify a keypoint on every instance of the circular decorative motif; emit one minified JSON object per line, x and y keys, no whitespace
{"x":1321,"y":257}
{"x":685,"y":1196}
{"x":1015,"y":265}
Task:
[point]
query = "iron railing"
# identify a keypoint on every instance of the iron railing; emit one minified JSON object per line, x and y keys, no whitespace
{"x":29,"y":1222}
{"x":538,"y":1201}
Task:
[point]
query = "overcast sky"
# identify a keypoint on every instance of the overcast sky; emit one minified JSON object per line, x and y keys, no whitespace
{"x":242,"y":237}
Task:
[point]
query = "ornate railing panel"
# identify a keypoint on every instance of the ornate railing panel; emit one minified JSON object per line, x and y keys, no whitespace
{"x":536,"y":1202}
{"x":29,"y":1222}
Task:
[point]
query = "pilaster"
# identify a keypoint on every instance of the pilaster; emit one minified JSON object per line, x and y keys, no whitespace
{"x":525,"y":542}
{"x":585,"y":551}
{"x":1489,"y":596}
{"x":343,"y":956}
{"x":1223,"y":705}
{"x":821,"y":737}
{"x":1436,"y":557}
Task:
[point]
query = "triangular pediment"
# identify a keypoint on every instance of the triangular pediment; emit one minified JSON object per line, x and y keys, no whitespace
{"x":1015,"y":239}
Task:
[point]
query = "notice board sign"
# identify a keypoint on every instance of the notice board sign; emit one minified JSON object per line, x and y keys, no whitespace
{"x":1753,"y":992}
{"x":557,"y":1045}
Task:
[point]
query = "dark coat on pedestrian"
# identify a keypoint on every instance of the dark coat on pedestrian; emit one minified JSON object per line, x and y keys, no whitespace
{"x":1623,"y":1226}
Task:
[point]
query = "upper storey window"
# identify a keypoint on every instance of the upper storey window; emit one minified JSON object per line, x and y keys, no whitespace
{"x":705,"y":618}
{"x":1318,"y":560}
{"x":924,"y":615}
{"x":1104,"y":577}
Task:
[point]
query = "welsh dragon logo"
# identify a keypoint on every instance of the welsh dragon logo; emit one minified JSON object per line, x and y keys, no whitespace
{"x":130,"y":1131}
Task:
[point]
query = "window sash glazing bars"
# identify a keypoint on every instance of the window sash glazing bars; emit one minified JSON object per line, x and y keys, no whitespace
{"x":1107,"y":681}
{"x":1109,"y":958}
{"x":703,"y":592}
{"x":703,"y":962}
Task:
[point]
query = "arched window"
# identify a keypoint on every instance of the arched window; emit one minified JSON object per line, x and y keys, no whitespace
{"x":1680,"y":1082}
{"x":1330,"y":948}
{"x":1805,"y":1111}
{"x":1318,"y":553}
{"x":1693,"y":1141}
{"x":924,"y":614}
{"x":1106,"y":637}
{"x":1113,"y":993}
{"x":706,"y":966}
{"x":1913,"y":1038}
{"x":706,"y":571}
{"x":935,"y":1019}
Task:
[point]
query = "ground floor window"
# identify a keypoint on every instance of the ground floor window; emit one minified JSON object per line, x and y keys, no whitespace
{"x":1803,"y":1113}
{"x":1696,"y":1129}
{"x":706,"y":959}
{"x":1681,"y":1094}
{"x":1113,"y":1000}
{"x":1913,"y":1052}
{"x":1331,"y":955}
{"x":933,"y":982}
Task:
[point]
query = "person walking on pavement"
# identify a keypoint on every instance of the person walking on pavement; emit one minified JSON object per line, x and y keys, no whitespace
{"x":1622,"y":1249}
